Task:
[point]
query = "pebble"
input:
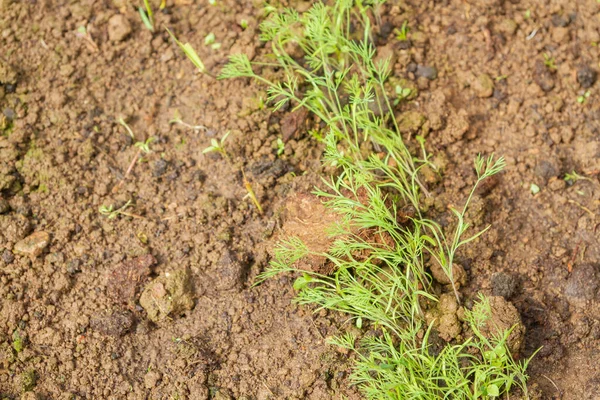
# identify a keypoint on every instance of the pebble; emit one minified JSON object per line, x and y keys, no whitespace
{"x":425,"y":71}
{"x":543,"y":77}
{"x":483,"y":86}
{"x":583,"y":282}
{"x":151,"y":379}
{"x":8,"y":257}
{"x":4,"y":206}
{"x":118,"y":28}
{"x":586,"y":76}
{"x":33,"y":245}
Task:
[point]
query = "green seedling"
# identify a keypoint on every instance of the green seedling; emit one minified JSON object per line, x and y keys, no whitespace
{"x":17,"y":343}
{"x":573,"y":177}
{"x":401,"y":94}
{"x":250,"y":193}
{"x":124,"y":124}
{"x":280,"y":147}
{"x":163,"y":4}
{"x":210,"y":40}
{"x":191,"y":54}
{"x":549,"y":61}
{"x":145,"y":146}
{"x":178,"y":121}
{"x":527,"y":14}
{"x":110,"y":212}
{"x":147,"y":15}
{"x":534,"y":189}
{"x":379,"y":254}
{"x":402,"y":33}
{"x":582,"y":99}
{"x":218,"y":146}
{"x":244,"y":24}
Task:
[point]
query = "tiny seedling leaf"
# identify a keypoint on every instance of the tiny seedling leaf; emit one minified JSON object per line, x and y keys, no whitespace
{"x":189,"y":52}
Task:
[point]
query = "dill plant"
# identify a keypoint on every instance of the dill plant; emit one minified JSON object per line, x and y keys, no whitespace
{"x":382,"y":276}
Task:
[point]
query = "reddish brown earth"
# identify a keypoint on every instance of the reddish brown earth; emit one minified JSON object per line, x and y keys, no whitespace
{"x":73,"y":310}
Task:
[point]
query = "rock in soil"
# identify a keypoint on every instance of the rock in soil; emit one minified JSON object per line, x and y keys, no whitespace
{"x":586,"y":76}
{"x":504,"y":284}
{"x":292,"y":124}
{"x":483,"y":86}
{"x":504,"y":316}
{"x":449,"y":325}
{"x":543,"y":77}
{"x":583,"y":282}
{"x":33,"y":245}
{"x":459,"y":275}
{"x":4,"y":206}
{"x":126,"y":278}
{"x":426,"y":72}
{"x":168,"y":295}
{"x":117,"y":324}
{"x":231,"y":272}
{"x":118,"y":28}
{"x":307,"y":219}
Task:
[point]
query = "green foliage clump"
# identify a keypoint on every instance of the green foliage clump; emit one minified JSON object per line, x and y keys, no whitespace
{"x":380,"y":252}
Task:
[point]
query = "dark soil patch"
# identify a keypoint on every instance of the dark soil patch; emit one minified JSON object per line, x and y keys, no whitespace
{"x":485,"y":83}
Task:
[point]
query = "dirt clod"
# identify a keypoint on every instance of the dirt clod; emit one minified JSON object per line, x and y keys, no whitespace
{"x":152,"y":378}
{"x":424,"y":71}
{"x":543,"y":76}
{"x":586,"y":76}
{"x":168,"y":295}
{"x":483,"y":86}
{"x":118,"y":28}
{"x":4,"y":206}
{"x":459,"y":275}
{"x":504,"y":284}
{"x":126,"y":278}
{"x":8,"y":75}
{"x":33,"y":245}
{"x":117,"y":324}
{"x":292,"y":123}
{"x":583,"y":282}
{"x":231,"y":271}
{"x":505,"y":316}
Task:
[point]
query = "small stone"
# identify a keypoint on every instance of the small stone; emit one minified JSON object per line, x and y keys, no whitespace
{"x":586,"y":76}
{"x":160,"y":167}
{"x":411,"y":121}
{"x":168,"y":295}
{"x":117,"y":324}
{"x":425,"y":71}
{"x":8,"y":257}
{"x":231,"y":271}
{"x":503,"y":284}
{"x":8,"y":75}
{"x":9,"y":113}
{"x":560,"y":35}
{"x":543,"y":76}
{"x":33,"y":245}
{"x":559,"y":20}
{"x":4,"y":206}
{"x":118,"y":28}
{"x":583,"y":282}
{"x":557,"y":184}
{"x":151,"y":379}
{"x":459,"y":275}
{"x":508,"y":27}
{"x":483,"y":86}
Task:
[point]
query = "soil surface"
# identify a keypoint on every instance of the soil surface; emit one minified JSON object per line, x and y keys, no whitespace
{"x":516,"y":78}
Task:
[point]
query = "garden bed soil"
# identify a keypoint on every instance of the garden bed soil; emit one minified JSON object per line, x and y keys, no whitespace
{"x":505,"y":77}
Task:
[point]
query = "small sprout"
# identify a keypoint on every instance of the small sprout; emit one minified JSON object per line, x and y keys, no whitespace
{"x":190,"y":53}
{"x":124,"y":124}
{"x":142,"y":237}
{"x":163,"y":4}
{"x":145,"y":146}
{"x":217,"y":147}
{"x":401,"y":94}
{"x":251,"y":194}
{"x":280,"y":147}
{"x":581,"y":99}
{"x":244,"y":24}
{"x":147,"y":16}
{"x":402,"y":33}
{"x":573,"y":177}
{"x":359,"y":323}
{"x":110,"y":212}
{"x":177,"y":120}
{"x":17,"y":342}
{"x":549,"y":62}
{"x":535,"y":189}
{"x":81,"y":30}
{"x":527,"y":14}
{"x":501,"y":78}
{"x":212,"y":2}
{"x":209,"y":39}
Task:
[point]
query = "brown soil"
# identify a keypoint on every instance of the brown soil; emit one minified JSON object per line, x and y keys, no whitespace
{"x":63,"y":155}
